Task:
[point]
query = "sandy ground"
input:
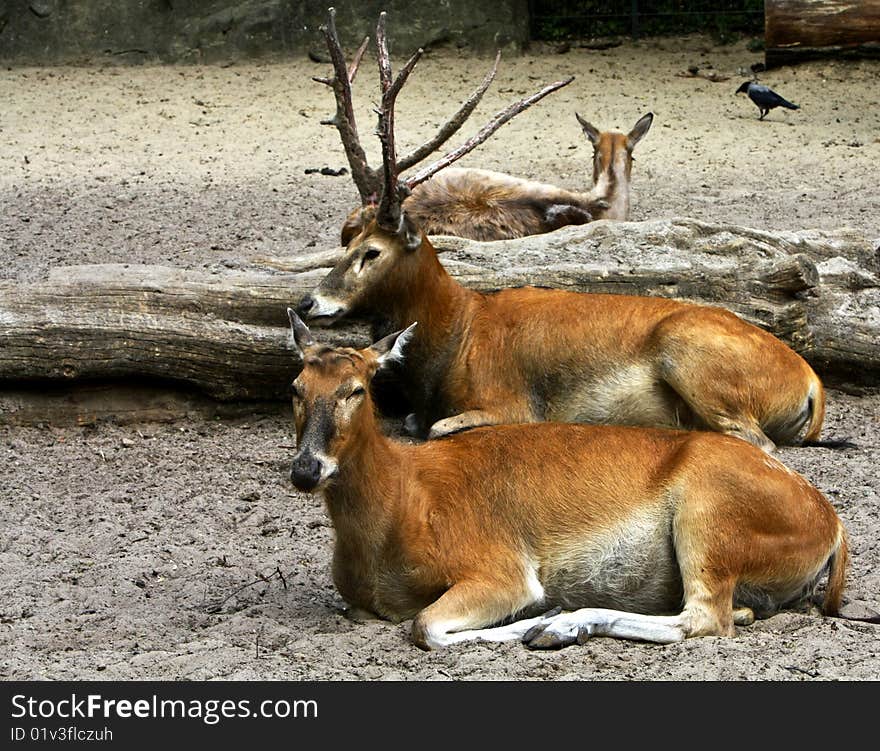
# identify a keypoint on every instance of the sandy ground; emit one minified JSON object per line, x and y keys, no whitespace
{"x":180,"y":550}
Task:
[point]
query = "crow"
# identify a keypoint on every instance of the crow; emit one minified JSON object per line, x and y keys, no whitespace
{"x":764,"y":97}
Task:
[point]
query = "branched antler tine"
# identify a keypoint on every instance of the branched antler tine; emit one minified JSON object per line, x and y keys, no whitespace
{"x":390,"y":172}
{"x":389,"y":205}
{"x":382,"y":54}
{"x":340,"y":82}
{"x":364,"y":178}
{"x":404,"y":73}
{"x":487,"y":130}
{"x":356,"y":60}
{"x":452,"y":125}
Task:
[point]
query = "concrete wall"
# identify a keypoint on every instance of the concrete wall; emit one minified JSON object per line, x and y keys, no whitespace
{"x":39,"y":32}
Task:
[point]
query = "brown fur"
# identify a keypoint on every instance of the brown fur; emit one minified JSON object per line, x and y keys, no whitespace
{"x":484,"y":205}
{"x":491,"y":524}
{"x":526,"y":355}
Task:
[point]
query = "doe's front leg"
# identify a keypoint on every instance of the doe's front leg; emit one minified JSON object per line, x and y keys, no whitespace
{"x":464,"y":611}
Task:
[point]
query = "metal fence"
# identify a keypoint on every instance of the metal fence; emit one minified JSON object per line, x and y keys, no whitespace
{"x":553,"y":20}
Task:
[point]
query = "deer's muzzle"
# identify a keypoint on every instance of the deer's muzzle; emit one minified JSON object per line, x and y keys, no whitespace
{"x":309,"y":471}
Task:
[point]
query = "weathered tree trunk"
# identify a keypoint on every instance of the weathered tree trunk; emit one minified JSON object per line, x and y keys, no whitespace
{"x":89,"y":403}
{"x":844,"y":318}
{"x":802,"y":29}
{"x":226,"y":332}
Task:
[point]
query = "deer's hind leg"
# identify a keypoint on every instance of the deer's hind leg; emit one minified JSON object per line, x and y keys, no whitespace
{"x":717,"y":381}
{"x":716,"y":398}
{"x":562,"y":215}
{"x":708,"y":611}
{"x":579,"y":625}
{"x":708,"y":582}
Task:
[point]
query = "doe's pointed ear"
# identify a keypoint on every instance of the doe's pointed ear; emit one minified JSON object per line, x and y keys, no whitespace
{"x":300,"y":336}
{"x":591,"y":131}
{"x":390,"y":348}
{"x":639,"y":130}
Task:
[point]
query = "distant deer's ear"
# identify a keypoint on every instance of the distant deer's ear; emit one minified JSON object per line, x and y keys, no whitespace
{"x":300,"y":336}
{"x":639,"y":130}
{"x":408,"y":231}
{"x":589,"y":129}
{"x":355,"y":223}
{"x":352,"y":228}
{"x":390,"y":349}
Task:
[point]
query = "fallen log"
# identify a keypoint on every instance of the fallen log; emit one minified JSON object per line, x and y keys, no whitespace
{"x":225,"y":331}
{"x":796,"y":30}
{"x":226,"y":334}
{"x":92,"y":403}
{"x":844,"y":317}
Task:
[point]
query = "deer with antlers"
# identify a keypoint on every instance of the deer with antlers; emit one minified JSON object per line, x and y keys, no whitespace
{"x":529,"y":354}
{"x":474,"y":203}
{"x":639,"y":533}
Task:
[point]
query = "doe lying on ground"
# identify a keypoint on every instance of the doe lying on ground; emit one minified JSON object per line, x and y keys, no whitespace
{"x":643,"y":534}
{"x":529,"y":354}
{"x":485,"y":205}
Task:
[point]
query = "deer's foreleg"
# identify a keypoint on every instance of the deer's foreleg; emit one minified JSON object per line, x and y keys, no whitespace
{"x":561,"y":215}
{"x":466,"y":609}
{"x":474,"y":418}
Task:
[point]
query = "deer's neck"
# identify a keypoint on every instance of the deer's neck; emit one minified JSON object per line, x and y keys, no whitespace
{"x":612,"y":184}
{"x":362,"y":501}
{"x":431,"y":297}
{"x":368,"y":477}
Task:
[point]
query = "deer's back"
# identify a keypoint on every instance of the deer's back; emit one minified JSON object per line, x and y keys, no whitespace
{"x":485,"y":205}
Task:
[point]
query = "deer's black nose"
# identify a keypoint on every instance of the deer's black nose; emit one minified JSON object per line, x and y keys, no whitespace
{"x":305,"y":472}
{"x":305,"y":305}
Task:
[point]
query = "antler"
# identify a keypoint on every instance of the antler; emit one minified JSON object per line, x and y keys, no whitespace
{"x":367,"y":180}
{"x":389,"y":207}
{"x":385,"y":182}
{"x":452,"y":125}
{"x":487,"y":130}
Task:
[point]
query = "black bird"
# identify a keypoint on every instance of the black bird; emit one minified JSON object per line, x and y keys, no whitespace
{"x":764,"y":97}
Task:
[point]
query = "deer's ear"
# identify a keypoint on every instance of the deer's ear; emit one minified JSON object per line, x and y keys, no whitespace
{"x":300,"y":336}
{"x":390,"y":348}
{"x":639,"y":130}
{"x":590,"y":130}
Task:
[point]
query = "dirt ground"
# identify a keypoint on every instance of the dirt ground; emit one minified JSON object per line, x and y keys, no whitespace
{"x":180,"y":551}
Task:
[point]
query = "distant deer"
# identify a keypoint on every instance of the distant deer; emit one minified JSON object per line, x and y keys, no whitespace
{"x":475,"y":203}
{"x":528,"y":354}
{"x":644,"y":534}
{"x":485,"y":205}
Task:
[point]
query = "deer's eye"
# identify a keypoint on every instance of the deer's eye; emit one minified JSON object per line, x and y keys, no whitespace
{"x":370,"y":255}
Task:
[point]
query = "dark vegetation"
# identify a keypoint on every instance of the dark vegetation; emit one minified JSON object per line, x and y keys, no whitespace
{"x":725,"y":20}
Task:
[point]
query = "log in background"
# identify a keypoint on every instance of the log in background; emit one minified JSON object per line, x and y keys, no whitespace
{"x":796,"y":30}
